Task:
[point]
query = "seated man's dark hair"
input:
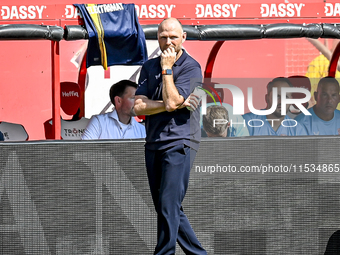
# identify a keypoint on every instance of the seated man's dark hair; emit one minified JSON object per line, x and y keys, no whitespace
{"x":118,"y":89}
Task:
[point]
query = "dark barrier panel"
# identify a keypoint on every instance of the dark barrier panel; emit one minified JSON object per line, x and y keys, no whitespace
{"x":30,"y":32}
{"x":246,"y":196}
{"x":231,"y":31}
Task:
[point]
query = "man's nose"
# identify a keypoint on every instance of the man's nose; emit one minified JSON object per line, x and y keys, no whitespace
{"x":168,"y":41}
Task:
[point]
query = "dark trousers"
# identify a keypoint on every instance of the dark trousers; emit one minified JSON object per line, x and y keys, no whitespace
{"x":168,"y":172}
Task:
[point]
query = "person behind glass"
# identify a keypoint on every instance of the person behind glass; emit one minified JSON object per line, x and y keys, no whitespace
{"x":237,"y":128}
{"x":275,"y":123}
{"x":324,"y":118}
{"x":118,"y":124}
{"x":165,"y":90}
{"x":318,"y":67}
{"x":216,"y":121}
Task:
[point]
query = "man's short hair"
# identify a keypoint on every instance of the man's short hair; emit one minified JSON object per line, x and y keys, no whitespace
{"x":278,"y":79}
{"x":215,"y":112}
{"x":328,"y":79}
{"x":118,"y":89}
{"x":174,"y":19}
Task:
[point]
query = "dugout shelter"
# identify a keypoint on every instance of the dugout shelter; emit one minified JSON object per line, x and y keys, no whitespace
{"x":38,"y":41}
{"x":85,"y":197}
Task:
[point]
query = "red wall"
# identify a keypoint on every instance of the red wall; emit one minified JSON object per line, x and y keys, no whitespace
{"x":25,"y":85}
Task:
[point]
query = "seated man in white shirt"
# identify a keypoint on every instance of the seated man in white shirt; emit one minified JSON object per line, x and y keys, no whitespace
{"x":118,"y":124}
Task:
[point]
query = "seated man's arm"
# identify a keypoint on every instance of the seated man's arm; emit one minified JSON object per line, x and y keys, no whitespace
{"x":320,"y":47}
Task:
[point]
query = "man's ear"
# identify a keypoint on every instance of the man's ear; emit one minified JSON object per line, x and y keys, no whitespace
{"x":315,"y":95}
{"x":118,"y":100}
{"x":184,"y":37}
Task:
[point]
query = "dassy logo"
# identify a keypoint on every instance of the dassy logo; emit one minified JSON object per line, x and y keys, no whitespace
{"x":216,"y":10}
{"x":332,"y":9}
{"x":22,"y":12}
{"x":281,"y":10}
